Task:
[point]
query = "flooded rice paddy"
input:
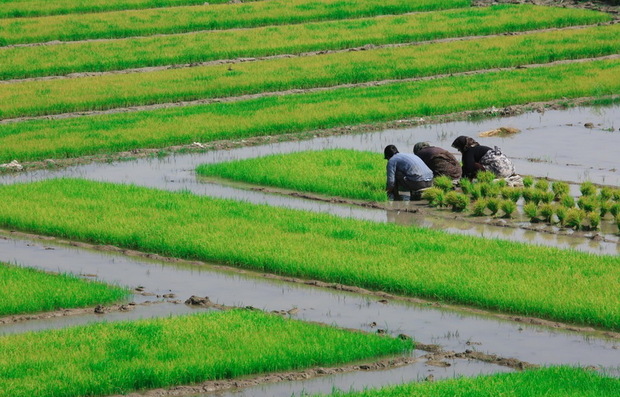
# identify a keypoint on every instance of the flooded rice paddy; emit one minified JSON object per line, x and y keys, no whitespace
{"x":553,"y":144}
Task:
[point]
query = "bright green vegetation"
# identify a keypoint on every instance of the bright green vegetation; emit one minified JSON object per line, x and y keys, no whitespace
{"x":338,"y":172}
{"x":42,"y":139}
{"x":117,"y":358}
{"x":544,"y":382}
{"x":109,"y":91}
{"x":559,"y":284}
{"x":26,"y":290}
{"x":33,"y":8}
{"x":292,"y":39}
{"x":210,"y":17}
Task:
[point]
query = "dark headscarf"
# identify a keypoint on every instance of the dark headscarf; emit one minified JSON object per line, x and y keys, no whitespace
{"x":463,"y":143}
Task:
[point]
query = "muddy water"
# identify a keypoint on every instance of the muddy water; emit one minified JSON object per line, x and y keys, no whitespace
{"x":553,"y":144}
{"x":452,"y":329}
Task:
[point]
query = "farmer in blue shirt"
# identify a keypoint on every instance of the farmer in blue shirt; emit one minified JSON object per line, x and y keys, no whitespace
{"x":405,"y":172}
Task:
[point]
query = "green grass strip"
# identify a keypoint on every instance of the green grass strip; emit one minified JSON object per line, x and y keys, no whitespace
{"x":335,"y":172}
{"x":530,"y":280}
{"x":544,"y":382}
{"x":210,"y":17}
{"x":105,"y":92}
{"x":117,"y":358}
{"x":293,"y":39}
{"x":42,"y":139}
{"x":25,"y":290}
{"x":37,"y":8}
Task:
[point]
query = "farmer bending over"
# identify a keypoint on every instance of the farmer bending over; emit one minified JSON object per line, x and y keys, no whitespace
{"x":405,"y":172}
{"x":439,"y":160}
{"x":482,"y":158}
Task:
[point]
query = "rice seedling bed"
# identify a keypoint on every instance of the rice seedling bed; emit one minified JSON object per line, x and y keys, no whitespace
{"x":98,"y":56}
{"x":209,"y":17}
{"x":112,"y":358}
{"x":75,"y":137}
{"x":109,"y":91}
{"x":552,"y":381}
{"x":25,"y":290}
{"x":536,"y":281}
{"x":35,"y":8}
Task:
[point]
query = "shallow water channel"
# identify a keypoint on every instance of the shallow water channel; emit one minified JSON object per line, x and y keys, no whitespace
{"x":553,"y":144}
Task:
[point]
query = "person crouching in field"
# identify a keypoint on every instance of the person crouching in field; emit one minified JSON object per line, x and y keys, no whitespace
{"x":482,"y":158}
{"x":439,"y":160}
{"x":405,"y":172}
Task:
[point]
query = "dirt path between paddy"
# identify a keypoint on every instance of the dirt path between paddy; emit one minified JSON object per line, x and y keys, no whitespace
{"x":239,"y":98}
{"x":382,"y":297}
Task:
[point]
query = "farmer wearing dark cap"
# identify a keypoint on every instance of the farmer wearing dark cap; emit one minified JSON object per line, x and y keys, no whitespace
{"x":405,"y":172}
{"x":477,"y":157}
{"x":439,"y":160}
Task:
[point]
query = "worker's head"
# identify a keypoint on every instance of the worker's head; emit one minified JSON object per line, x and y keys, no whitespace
{"x":389,"y":151}
{"x":463,"y":143}
{"x":419,"y":146}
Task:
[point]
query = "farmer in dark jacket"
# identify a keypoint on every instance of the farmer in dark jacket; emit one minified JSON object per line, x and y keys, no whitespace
{"x":439,"y":160}
{"x":482,"y":158}
{"x":405,"y":172}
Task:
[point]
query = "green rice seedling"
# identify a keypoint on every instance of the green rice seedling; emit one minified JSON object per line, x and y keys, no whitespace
{"x":485,"y":176}
{"x":587,"y":188}
{"x":541,"y":382}
{"x":502,"y":183}
{"x":588,"y":203}
{"x":574,"y":218}
{"x":275,"y":115}
{"x":493,"y":204}
{"x":531,"y":210}
{"x":508,"y":207}
{"x":13,"y":9}
{"x":560,"y":213}
{"x":118,"y":24}
{"x":466,"y":185}
{"x":528,"y":181}
{"x":475,"y":191}
{"x":511,"y":193}
{"x":26,"y":290}
{"x":605,"y":194}
{"x":492,"y":273}
{"x":458,"y":201}
{"x":444,"y":183}
{"x":542,"y":184}
{"x":559,"y":189}
{"x":546,"y":196}
{"x":567,"y":201}
{"x":290,"y":39}
{"x":536,"y":196}
{"x":604,"y":208}
{"x":614,"y":209}
{"x":616,"y":195}
{"x":594,"y":220}
{"x":435,"y":196}
{"x":122,"y":357}
{"x":618,"y":222}
{"x":546,"y":211}
{"x":489,"y":189}
{"x":479,"y":207}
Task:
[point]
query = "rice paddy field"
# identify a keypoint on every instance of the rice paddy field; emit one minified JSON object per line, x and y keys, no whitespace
{"x":147,"y":148}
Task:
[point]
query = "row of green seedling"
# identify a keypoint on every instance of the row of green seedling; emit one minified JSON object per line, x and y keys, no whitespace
{"x":123,"y":357}
{"x":169,"y":20}
{"x":380,"y":256}
{"x":117,"y":90}
{"x":20,"y":9}
{"x":294,"y":113}
{"x":25,"y":290}
{"x":542,"y":201}
{"x":104,"y":55}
